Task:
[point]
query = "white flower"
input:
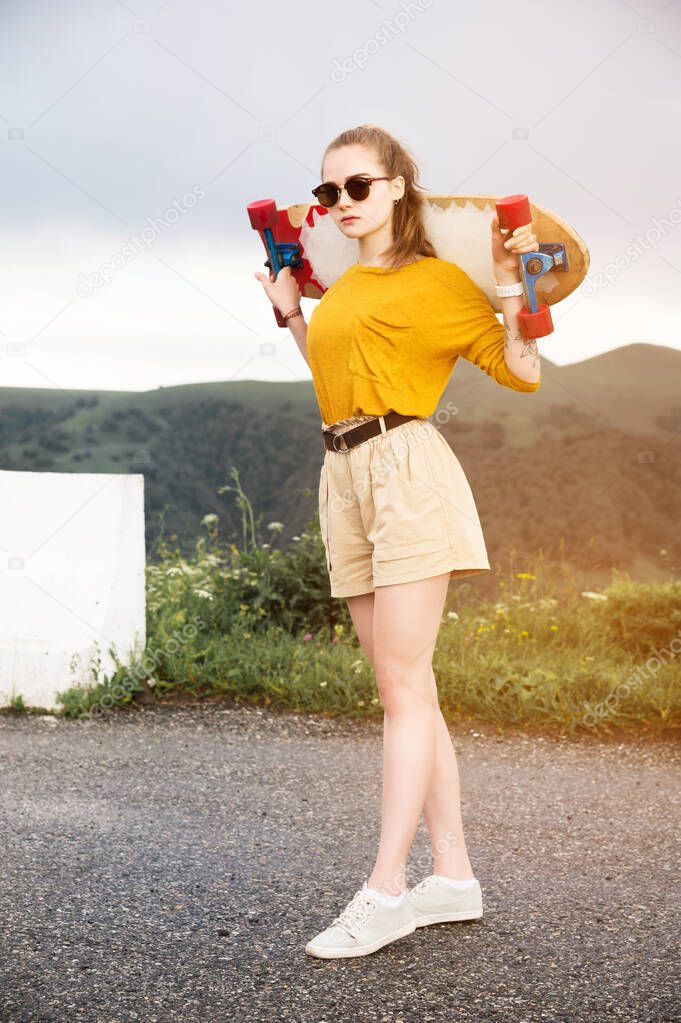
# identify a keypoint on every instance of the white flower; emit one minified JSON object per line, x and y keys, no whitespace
{"x":208,"y":520}
{"x":594,"y":596}
{"x":276,"y":527}
{"x":174,"y":570}
{"x":453,"y":615}
{"x":204,"y":593}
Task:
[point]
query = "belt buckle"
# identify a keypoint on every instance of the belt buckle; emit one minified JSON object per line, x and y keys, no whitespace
{"x":339,"y":436}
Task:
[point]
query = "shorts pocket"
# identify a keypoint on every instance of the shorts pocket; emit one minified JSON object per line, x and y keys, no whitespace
{"x":323,"y":503}
{"x":409,"y":506}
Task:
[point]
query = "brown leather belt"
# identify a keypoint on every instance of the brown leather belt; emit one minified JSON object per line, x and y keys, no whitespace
{"x":358,"y":434}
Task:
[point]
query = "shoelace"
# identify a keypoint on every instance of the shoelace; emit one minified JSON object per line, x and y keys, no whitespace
{"x":357,"y":912}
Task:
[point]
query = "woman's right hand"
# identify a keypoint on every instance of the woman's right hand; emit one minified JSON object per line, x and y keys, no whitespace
{"x":283,"y":292}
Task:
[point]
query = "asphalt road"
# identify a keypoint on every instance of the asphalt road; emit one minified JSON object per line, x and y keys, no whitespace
{"x":170,"y":865}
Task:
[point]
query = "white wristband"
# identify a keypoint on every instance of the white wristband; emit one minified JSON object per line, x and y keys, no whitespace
{"x":506,"y":290}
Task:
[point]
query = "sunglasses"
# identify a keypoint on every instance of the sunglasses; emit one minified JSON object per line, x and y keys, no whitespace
{"x":358,"y":188}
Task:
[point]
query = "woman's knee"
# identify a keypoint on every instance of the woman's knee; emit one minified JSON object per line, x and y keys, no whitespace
{"x":399,"y":683}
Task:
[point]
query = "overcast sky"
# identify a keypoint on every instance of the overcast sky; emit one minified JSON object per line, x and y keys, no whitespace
{"x":112,"y":111}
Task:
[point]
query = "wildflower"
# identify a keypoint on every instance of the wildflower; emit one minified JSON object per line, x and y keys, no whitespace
{"x":233,"y":548}
{"x":594,"y":596}
{"x":453,"y":615}
{"x":553,"y":628}
{"x":265,"y":546}
{"x":323,"y":685}
{"x":524,"y":632}
{"x":525,"y":575}
{"x":339,"y":629}
{"x":209,"y":520}
{"x":356,"y":666}
{"x":375,"y":699}
{"x":295,"y":538}
{"x":360,"y":703}
{"x":276,"y":527}
{"x":204,"y":593}
{"x":307,"y":637}
{"x":471,"y":635}
{"x":174,"y":570}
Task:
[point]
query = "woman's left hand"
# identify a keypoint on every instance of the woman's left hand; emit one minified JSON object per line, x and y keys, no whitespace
{"x":507,"y":247}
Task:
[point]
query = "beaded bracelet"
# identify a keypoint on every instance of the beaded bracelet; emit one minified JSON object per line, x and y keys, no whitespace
{"x":294,"y":312}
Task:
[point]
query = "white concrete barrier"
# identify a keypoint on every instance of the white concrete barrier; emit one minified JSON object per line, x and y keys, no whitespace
{"x":72,"y":558}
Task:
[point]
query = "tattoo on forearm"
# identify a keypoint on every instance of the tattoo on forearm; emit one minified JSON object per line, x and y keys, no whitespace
{"x":512,"y":340}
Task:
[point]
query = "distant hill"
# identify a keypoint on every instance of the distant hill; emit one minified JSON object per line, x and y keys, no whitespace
{"x":587,"y":469}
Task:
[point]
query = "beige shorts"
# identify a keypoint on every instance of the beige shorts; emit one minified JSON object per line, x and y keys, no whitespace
{"x":396,"y":508}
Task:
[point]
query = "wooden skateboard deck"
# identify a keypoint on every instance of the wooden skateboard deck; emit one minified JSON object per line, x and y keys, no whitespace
{"x":458,"y":226}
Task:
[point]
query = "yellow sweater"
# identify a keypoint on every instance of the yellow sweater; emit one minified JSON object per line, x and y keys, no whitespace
{"x":382,"y":339}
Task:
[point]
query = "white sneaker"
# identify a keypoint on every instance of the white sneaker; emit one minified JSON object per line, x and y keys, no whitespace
{"x":436,"y":902}
{"x":365,"y":925}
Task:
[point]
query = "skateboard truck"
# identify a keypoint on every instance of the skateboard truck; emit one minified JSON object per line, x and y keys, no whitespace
{"x":535,"y":317}
{"x":264,"y":218}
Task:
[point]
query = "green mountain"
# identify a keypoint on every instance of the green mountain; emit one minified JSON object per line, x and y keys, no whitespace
{"x":587,"y":469}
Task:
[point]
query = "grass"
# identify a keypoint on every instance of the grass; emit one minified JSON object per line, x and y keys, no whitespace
{"x":256,"y":624}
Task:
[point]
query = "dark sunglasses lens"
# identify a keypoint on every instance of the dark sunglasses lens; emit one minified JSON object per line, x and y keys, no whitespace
{"x":357,"y":188}
{"x":327,"y":195}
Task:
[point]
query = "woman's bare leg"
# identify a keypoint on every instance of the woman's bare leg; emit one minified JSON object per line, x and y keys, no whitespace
{"x":406,"y":620}
{"x":442,"y":806}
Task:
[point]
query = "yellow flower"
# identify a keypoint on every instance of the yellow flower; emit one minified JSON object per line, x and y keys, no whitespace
{"x":338,"y":629}
{"x":553,"y":628}
{"x":233,"y":548}
{"x":525,"y":575}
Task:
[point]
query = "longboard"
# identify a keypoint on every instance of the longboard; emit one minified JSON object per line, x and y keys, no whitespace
{"x":304,"y":237}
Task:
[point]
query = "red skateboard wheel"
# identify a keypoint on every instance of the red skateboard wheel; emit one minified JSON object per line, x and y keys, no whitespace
{"x":537,"y":324}
{"x":514,"y":211}
{"x":262,"y":214}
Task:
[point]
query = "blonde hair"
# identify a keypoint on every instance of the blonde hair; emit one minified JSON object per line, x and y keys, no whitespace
{"x":409,"y":236}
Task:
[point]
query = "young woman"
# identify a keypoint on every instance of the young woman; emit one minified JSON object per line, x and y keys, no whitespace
{"x":397,"y":515}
